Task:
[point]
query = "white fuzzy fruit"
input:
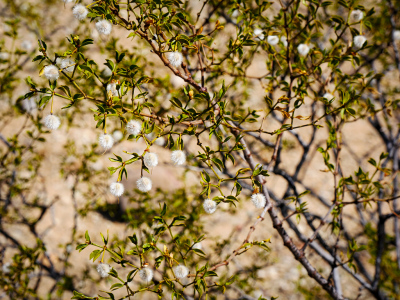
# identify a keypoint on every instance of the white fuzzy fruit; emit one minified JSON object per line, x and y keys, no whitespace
{"x":359,"y":40}
{"x":51,"y":72}
{"x":103,"y":269}
{"x":209,"y":206}
{"x":181,"y":271}
{"x":175,"y":58}
{"x":104,"y":27}
{"x":52,"y":122}
{"x":178,"y":157}
{"x":134,"y":127}
{"x":146,"y":274}
{"x":303,"y":49}
{"x":150,"y":159}
{"x":144,"y":184}
{"x":258,"y":200}
{"x":273,"y":40}
{"x":80,"y":12}
{"x":106,"y":141}
{"x":117,"y":189}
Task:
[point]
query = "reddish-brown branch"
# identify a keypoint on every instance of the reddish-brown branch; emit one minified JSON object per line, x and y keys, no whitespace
{"x":246,"y":240}
{"x":322,"y":223}
{"x":188,"y":79}
{"x":369,"y":200}
{"x":276,"y":148}
{"x":277,"y":224}
{"x":166,"y":120}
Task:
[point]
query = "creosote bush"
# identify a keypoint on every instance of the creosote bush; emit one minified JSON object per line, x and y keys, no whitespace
{"x":250,"y":104}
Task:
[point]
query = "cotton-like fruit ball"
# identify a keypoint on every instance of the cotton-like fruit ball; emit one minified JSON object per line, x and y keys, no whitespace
{"x":209,"y":206}
{"x":117,"y":135}
{"x":303,"y":49}
{"x":258,"y":34}
{"x":103,"y":269}
{"x":104,"y":27}
{"x":51,"y":72}
{"x":150,"y":159}
{"x":52,"y":122}
{"x":357,"y":15}
{"x":284,"y":40}
{"x":359,"y":40}
{"x":106,"y":141}
{"x":396,"y":35}
{"x":328,"y":96}
{"x":181,"y":271}
{"x":273,"y":40}
{"x":117,"y":189}
{"x":134,"y":127}
{"x":175,"y":58}
{"x":4,"y":55}
{"x":80,"y":12}
{"x":197,"y":246}
{"x":178,"y":157}
{"x":112,"y":89}
{"x":67,"y":65}
{"x":258,"y":200}
{"x":144,"y":184}
{"x":146,"y":274}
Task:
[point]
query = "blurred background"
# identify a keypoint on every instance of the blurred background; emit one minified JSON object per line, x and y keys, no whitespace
{"x":54,"y":185}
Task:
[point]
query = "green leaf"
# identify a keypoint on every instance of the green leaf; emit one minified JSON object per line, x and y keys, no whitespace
{"x":164,"y":209}
{"x":78,"y":295}
{"x":199,"y":252}
{"x":105,"y":241}
{"x":210,"y":274}
{"x":218,"y":163}
{"x":249,"y":43}
{"x":257,"y":170}
{"x":175,"y":101}
{"x":86,"y":42}
{"x":43,"y":101}
{"x":304,"y":193}
{"x":95,"y":254}
{"x":39,"y":57}
{"x":80,"y":247}
{"x":133,"y":239}
{"x":87,"y":237}
{"x":205,"y":176}
{"x":110,"y":64}
{"x":116,"y":286}
{"x":372,"y":162}
{"x":158,"y":261}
